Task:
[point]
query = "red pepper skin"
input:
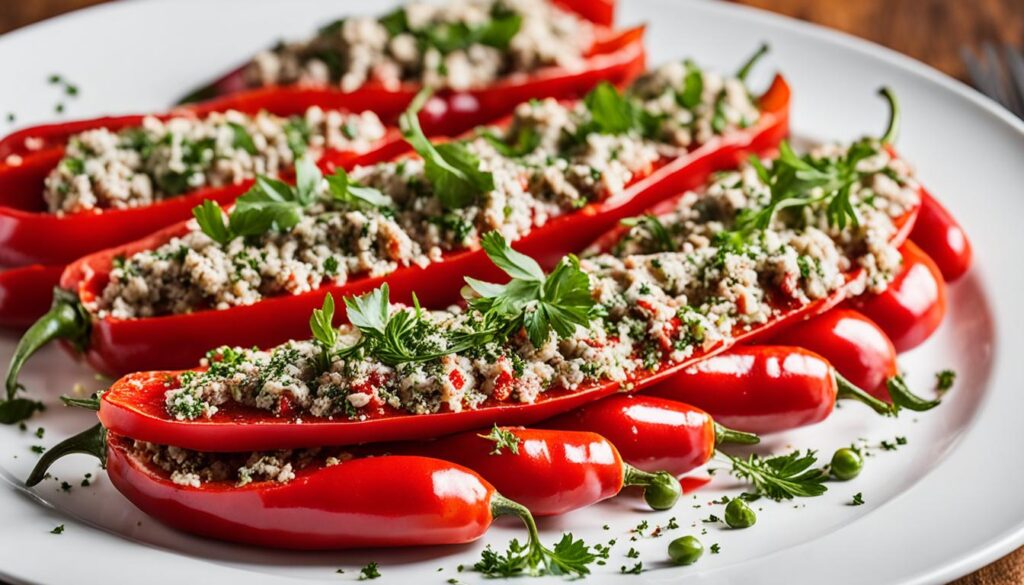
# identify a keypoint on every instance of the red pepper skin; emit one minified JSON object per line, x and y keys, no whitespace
{"x":554,"y":472}
{"x":25,"y":293}
{"x":942,"y":238}
{"x":913,"y":305}
{"x":177,"y":341}
{"x":650,"y":433}
{"x":372,"y":502}
{"x":757,"y":389}
{"x":855,"y":346}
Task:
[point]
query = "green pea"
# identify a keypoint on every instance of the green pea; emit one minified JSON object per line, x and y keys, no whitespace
{"x":685,"y":550}
{"x":663,"y":492}
{"x":846,"y":464}
{"x":739,"y":515}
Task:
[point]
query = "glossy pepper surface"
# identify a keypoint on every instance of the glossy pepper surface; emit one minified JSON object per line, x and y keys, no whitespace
{"x":550,"y":472}
{"x":913,"y":305}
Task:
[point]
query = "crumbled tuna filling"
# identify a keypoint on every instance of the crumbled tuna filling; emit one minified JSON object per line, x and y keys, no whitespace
{"x":459,"y":44}
{"x":663,"y":293}
{"x":194,"y":468}
{"x":550,"y":161}
{"x":159,"y":159}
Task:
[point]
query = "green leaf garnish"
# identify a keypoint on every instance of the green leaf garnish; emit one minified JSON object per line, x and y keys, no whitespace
{"x":658,"y":231}
{"x":568,"y":557}
{"x":344,"y":189}
{"x":781,"y":477}
{"x":242,"y":138}
{"x":503,"y":439}
{"x":559,"y":302}
{"x":211,"y":220}
{"x":526,"y":141}
{"x":321,"y":323}
{"x":693,"y":86}
{"x":452,"y":170}
{"x":744,"y":70}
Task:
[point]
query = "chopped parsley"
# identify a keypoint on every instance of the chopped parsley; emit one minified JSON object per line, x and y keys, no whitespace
{"x":370,"y":571}
{"x":59,"y":529}
{"x":781,"y":477}
{"x":502,"y":438}
{"x":944,"y":380}
{"x":858,"y":499}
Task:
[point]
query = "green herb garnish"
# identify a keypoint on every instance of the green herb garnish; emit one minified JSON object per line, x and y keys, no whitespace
{"x":781,"y":477}
{"x":503,"y":439}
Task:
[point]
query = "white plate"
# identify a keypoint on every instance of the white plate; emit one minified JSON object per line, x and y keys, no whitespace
{"x":944,"y":504}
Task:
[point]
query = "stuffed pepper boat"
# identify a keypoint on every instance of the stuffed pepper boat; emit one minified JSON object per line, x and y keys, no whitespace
{"x":109,"y":181}
{"x":758,"y":247}
{"x":483,"y":56}
{"x":551,"y":178}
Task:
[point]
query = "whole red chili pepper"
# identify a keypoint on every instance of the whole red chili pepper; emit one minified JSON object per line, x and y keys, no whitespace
{"x":116,"y":346}
{"x":550,"y":472}
{"x":942,"y":238}
{"x":765,"y":389}
{"x":652,"y":433}
{"x":913,"y":305}
{"x":855,"y":346}
{"x":368,"y":502}
{"x":616,"y":56}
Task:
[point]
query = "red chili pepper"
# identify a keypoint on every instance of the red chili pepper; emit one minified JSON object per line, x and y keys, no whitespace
{"x":913,"y":305}
{"x":652,"y":433}
{"x":550,"y":472}
{"x":616,"y":56}
{"x":855,"y":346}
{"x":942,"y":238}
{"x":370,"y":502}
{"x":766,"y":389}
{"x":25,"y":293}
{"x":115,"y":346}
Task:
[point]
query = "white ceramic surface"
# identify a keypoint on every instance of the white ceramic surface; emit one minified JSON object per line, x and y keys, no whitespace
{"x":944,"y":504}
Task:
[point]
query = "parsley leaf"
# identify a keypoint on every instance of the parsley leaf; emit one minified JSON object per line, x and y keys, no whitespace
{"x":342,"y":188}
{"x":944,"y":380}
{"x":693,"y":86}
{"x":452,"y":170}
{"x":781,"y":477}
{"x":503,"y":438}
{"x":658,"y":231}
{"x":242,"y":139}
{"x":321,"y":323}
{"x":370,"y":571}
{"x":210,"y":217}
{"x":559,"y":302}
{"x":527,"y":140}
{"x":568,"y":557}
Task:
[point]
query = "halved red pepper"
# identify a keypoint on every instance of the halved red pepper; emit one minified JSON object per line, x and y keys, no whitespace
{"x":652,"y":433}
{"x":550,"y":472}
{"x":913,"y":305}
{"x":35,"y":244}
{"x":116,"y":346}
{"x":134,"y":405}
{"x":616,"y":56}
{"x":387,"y":501}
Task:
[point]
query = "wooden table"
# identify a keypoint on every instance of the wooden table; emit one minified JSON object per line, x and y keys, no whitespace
{"x":928,"y":30}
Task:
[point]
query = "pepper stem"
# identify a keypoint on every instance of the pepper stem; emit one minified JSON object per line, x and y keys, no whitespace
{"x":893,"y":127}
{"x":91,"y":442}
{"x":725,"y":435}
{"x":744,"y":69}
{"x":535,"y":551}
{"x":847,"y":390}
{"x":661,"y":489}
{"x":66,"y":319}
{"x":902,"y":397}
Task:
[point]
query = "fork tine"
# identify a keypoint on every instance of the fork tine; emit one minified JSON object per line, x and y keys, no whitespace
{"x":996,"y":76}
{"x":979,"y":73}
{"x":1015,"y":69}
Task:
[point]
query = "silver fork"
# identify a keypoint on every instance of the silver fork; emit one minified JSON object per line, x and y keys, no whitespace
{"x":1000,"y":77}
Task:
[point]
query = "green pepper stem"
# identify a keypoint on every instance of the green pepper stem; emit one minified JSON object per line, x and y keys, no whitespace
{"x":892,"y":128}
{"x":92,"y":403}
{"x":535,"y":551}
{"x":751,"y":61}
{"x":661,"y":489}
{"x":725,"y":435}
{"x":902,"y":397}
{"x":66,"y":319}
{"x":92,"y":441}
{"x":847,"y":390}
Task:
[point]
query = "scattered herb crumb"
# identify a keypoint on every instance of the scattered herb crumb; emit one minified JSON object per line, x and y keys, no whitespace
{"x":944,"y":380}
{"x":711,"y":519}
{"x":11,"y":117}
{"x":59,"y":529}
{"x":65,"y":486}
{"x":59,"y":108}
{"x":606,"y":527}
{"x":22,"y":426}
{"x":340,"y":571}
{"x":715,"y":549}
{"x":40,"y":432}
{"x":634,"y":570}
{"x":672,"y":524}
{"x":633,"y":553}
{"x":453,"y":581}
{"x":858,"y":499}
{"x":38,"y":448}
{"x":369,"y":572}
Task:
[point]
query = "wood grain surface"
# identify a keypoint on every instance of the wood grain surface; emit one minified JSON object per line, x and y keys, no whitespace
{"x":932,"y":31}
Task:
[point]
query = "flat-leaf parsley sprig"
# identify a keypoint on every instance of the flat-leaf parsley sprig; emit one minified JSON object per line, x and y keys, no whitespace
{"x":271,"y":204}
{"x":781,"y":477}
{"x":558,"y":302}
